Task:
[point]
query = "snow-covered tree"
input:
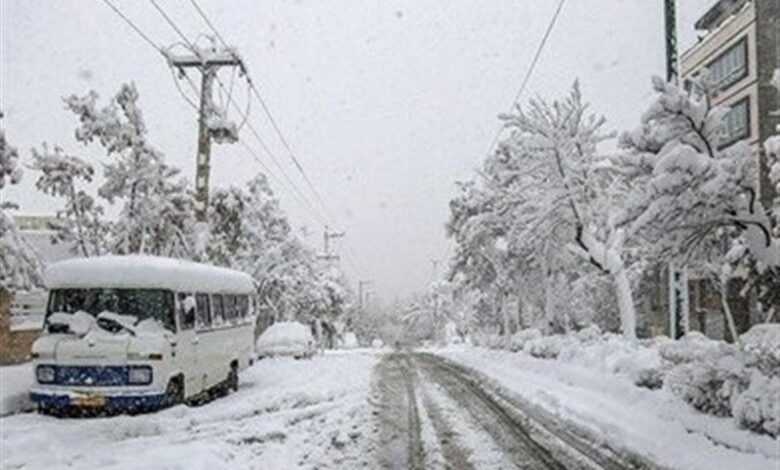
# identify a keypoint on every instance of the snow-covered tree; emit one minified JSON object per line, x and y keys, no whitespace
{"x":249,"y":231}
{"x":20,"y":265}
{"x":556,"y":192}
{"x":686,"y":184}
{"x":156,"y":209}
{"x":80,"y":223}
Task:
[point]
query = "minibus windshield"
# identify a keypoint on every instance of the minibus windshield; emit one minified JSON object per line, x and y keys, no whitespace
{"x":140,"y":303}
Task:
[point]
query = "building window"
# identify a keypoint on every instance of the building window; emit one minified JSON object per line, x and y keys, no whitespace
{"x":736,"y":122}
{"x":729,"y":67}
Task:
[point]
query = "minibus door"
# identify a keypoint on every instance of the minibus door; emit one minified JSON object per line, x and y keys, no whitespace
{"x":188,"y":345}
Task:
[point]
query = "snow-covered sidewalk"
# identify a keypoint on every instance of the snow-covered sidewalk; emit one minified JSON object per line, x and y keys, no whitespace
{"x":652,"y":423}
{"x":286,"y":414}
{"x":14,"y":388}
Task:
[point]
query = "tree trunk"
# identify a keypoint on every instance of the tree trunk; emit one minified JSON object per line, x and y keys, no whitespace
{"x":724,"y":301}
{"x":607,"y":255}
{"x":625,"y":303}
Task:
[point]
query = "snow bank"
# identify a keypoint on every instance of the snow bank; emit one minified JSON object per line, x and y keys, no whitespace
{"x":15,"y":384}
{"x":150,"y":272}
{"x":714,"y":377}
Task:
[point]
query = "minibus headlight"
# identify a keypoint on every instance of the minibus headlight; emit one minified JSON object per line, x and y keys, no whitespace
{"x":44,"y":374}
{"x":139,"y":375}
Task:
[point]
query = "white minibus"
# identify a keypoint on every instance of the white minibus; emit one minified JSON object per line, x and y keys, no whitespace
{"x":133,"y":333}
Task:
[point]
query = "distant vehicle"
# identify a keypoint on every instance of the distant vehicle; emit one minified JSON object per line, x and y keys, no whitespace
{"x":133,"y":333}
{"x":286,"y":339}
{"x":349,"y":341}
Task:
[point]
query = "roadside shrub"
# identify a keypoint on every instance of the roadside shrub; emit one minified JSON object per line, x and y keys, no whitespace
{"x":548,"y":347}
{"x":693,"y":347}
{"x":712,"y":385}
{"x":520,"y":338}
{"x":757,"y":407}
{"x":761,"y":345}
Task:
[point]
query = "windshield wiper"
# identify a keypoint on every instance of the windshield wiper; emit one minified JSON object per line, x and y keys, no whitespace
{"x":113,"y":326}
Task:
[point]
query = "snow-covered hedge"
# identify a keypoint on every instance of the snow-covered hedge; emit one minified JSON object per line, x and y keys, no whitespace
{"x":522,"y":337}
{"x":712,"y":376}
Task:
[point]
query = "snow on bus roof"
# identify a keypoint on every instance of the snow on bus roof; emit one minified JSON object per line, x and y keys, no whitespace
{"x":145,"y":272}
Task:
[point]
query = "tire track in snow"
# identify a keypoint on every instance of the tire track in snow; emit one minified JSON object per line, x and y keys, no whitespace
{"x":548,"y":434}
{"x":518,"y":445}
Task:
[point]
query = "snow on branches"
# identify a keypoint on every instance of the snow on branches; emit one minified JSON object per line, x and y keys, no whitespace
{"x":156,"y":213}
{"x":20,"y":265}
{"x":80,"y":223}
{"x":687,"y":181}
{"x":249,"y":231}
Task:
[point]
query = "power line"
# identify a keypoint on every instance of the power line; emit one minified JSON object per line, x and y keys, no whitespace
{"x":231,"y":101}
{"x":268,"y":113}
{"x":531,"y":67}
{"x":132,"y":25}
{"x":297,"y":197}
{"x":279,"y":133}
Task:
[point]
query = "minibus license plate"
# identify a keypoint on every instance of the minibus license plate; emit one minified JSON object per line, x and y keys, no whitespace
{"x":89,"y":399}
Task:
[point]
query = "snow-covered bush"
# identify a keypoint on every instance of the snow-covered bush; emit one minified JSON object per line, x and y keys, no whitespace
{"x":614,"y":354}
{"x":757,"y":408}
{"x":711,"y":386}
{"x":761,"y":345}
{"x":520,"y":338}
{"x":589,"y":334}
{"x":487,"y":340}
{"x":549,"y":347}
{"x":693,"y":347}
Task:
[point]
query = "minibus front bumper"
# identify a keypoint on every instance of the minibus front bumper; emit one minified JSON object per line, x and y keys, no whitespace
{"x":60,"y":400}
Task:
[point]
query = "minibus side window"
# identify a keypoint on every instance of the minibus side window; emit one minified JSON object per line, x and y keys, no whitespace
{"x":218,"y":310}
{"x":243,"y":306}
{"x":230,"y":308}
{"x":203,"y":313}
{"x":187,"y":306}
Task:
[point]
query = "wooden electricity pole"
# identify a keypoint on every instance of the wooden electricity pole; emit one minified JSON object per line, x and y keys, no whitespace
{"x":208,"y":66}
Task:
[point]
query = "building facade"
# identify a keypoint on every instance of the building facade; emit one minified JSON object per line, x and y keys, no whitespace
{"x":737,"y":54}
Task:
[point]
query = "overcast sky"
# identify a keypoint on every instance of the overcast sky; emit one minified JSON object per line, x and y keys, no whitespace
{"x":386,"y":103}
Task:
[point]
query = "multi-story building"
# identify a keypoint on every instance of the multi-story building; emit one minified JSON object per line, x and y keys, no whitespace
{"x":737,"y":53}
{"x":736,"y":56}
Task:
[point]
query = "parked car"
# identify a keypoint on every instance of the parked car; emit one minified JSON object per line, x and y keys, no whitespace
{"x":286,"y":339}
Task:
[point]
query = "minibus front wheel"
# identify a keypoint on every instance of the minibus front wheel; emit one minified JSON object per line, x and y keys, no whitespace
{"x":233,"y":377}
{"x":174,"y":392}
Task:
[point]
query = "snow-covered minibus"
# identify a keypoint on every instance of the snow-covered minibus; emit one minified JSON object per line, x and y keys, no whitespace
{"x":140,"y":332}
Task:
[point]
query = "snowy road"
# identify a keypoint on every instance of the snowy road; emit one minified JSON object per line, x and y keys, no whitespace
{"x":435,"y":414}
{"x":459,"y":409}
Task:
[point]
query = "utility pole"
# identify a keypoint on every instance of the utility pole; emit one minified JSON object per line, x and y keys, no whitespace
{"x":361,"y":284}
{"x":327,"y":236}
{"x":208,"y":62}
{"x":670,"y":22}
{"x":678,"y":279}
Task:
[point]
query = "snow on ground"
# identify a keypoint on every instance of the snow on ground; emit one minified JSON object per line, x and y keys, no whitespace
{"x":14,"y":388}
{"x":287,"y":414}
{"x":610,"y":407}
